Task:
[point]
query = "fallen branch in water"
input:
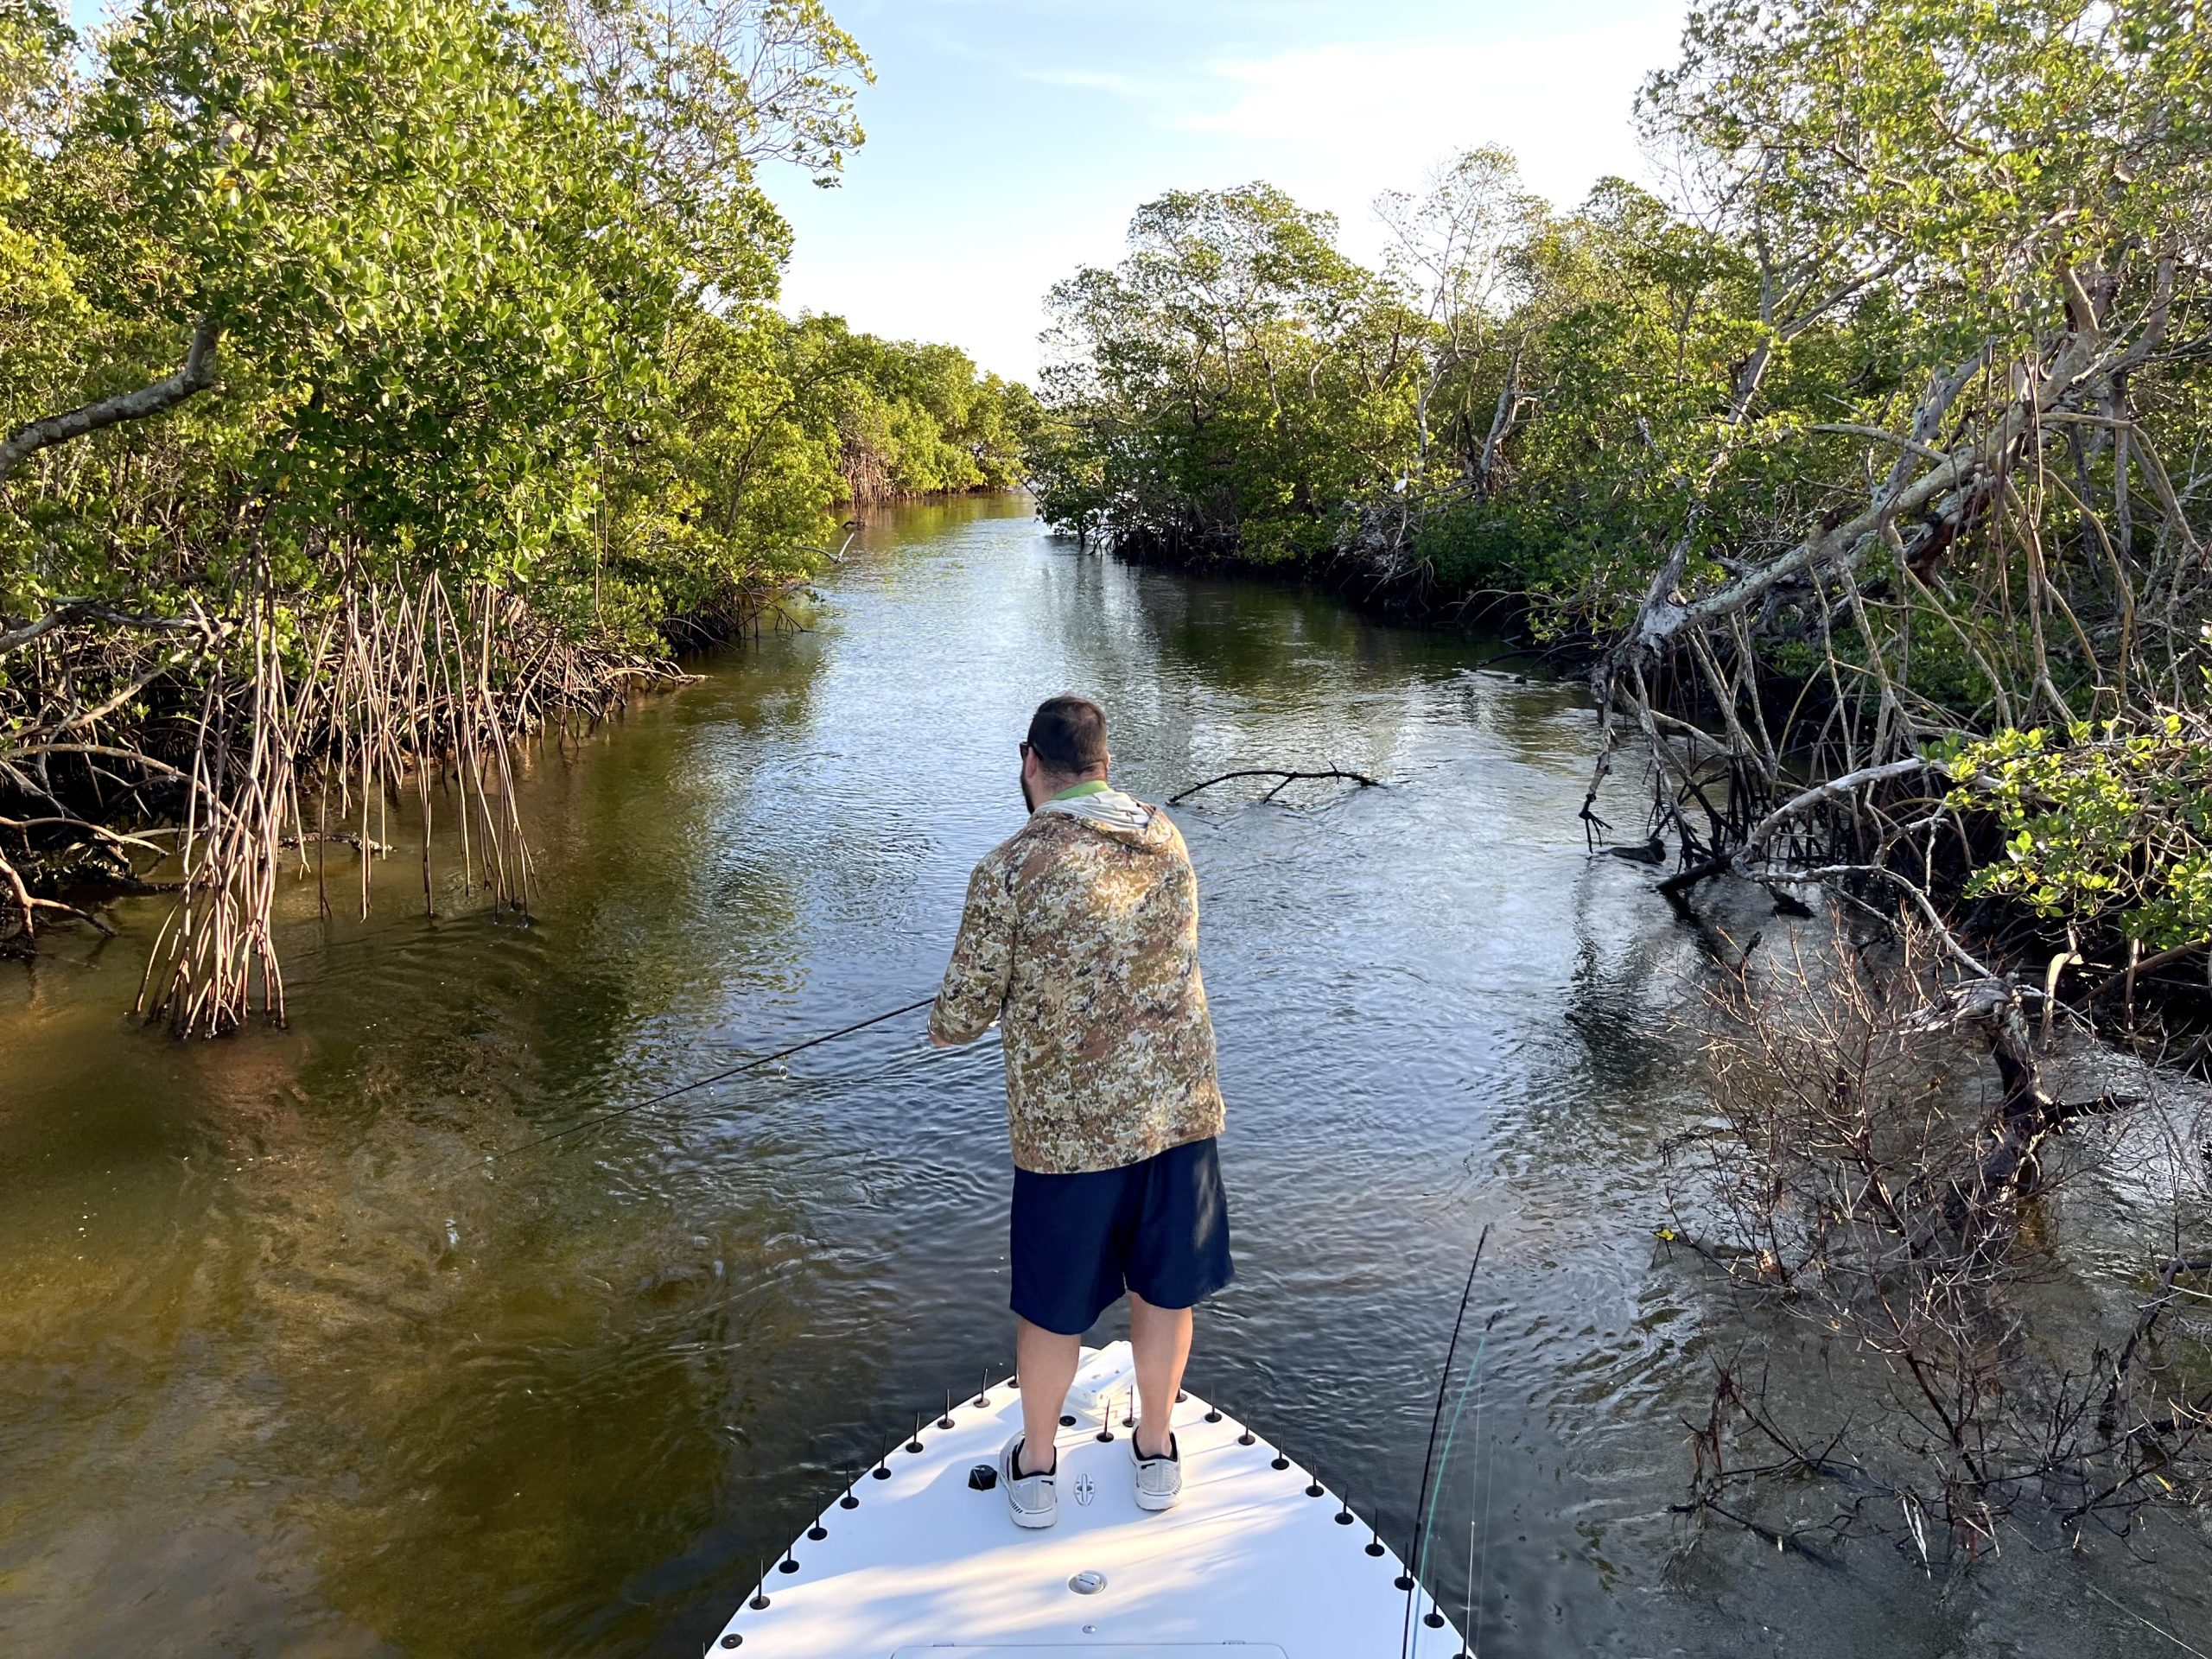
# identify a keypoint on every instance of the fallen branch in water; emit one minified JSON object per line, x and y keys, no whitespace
{"x":1792,"y":1539}
{"x":1286,"y":778}
{"x":2147,"y":1316}
{"x":337,"y":838}
{"x":1754,"y":844}
{"x":19,"y":917}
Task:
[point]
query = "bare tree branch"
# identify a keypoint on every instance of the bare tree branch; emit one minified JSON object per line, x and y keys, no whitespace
{"x":1360,"y":779}
{"x":67,"y":611}
{"x":194,"y":378}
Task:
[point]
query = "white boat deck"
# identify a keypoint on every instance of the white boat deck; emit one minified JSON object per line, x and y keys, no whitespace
{"x":1258,"y":1560}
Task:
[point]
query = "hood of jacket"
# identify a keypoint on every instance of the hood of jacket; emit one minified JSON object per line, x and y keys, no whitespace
{"x":1118,"y":817}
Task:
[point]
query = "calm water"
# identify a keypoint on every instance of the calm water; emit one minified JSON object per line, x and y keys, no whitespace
{"x":289,"y":1366}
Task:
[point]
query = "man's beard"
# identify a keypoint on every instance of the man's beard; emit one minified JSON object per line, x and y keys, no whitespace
{"x":1023,"y":779}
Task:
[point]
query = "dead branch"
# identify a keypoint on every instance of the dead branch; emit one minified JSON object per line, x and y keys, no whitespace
{"x":1664,"y":616}
{"x":1287,"y":778}
{"x":1839,"y":1188}
{"x":335,"y":838}
{"x":67,"y":611}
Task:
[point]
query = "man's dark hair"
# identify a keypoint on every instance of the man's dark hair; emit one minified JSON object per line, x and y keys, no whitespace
{"x":1068,"y":735}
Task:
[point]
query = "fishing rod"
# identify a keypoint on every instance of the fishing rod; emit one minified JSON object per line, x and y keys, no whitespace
{"x":877,"y":1020}
{"x":1427,"y":1537}
{"x":1429,"y":1458}
{"x":718,"y":1076}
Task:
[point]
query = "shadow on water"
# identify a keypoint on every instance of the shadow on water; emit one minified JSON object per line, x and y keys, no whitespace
{"x":291,"y":1362}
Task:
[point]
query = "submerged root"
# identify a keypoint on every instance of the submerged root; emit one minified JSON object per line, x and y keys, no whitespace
{"x":1843,"y":1183}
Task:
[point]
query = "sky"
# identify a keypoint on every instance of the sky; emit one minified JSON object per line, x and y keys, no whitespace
{"x":1009,"y":140}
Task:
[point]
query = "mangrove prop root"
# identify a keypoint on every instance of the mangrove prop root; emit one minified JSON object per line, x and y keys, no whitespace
{"x":264,"y":734}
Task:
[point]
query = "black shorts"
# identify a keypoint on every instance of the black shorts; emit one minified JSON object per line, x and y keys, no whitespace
{"x":1159,"y":1228}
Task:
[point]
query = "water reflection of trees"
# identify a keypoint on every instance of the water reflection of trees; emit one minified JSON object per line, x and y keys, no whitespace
{"x":1203,"y":675}
{"x":563,"y":1409}
{"x":442,"y":1399}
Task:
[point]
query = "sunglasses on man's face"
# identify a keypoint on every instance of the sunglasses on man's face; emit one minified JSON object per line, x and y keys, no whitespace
{"x":1024,"y":746}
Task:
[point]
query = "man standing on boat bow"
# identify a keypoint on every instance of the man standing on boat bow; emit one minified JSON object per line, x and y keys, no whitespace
{"x":1081,"y":939}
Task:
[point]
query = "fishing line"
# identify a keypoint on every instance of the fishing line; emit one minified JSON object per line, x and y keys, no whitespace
{"x":717,"y":1076}
{"x":1429,"y":1530}
{"x":2112,"y":1601}
{"x":1472,"y":1608}
{"x":1435,"y":1422}
{"x":1467,"y":1603}
{"x":1489,"y":1491}
{"x":813,"y":1042}
{"x":2144,"y":1622}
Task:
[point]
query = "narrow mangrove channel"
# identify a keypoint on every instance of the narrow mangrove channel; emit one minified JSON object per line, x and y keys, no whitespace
{"x":1726,"y":555}
{"x":295,"y":1358}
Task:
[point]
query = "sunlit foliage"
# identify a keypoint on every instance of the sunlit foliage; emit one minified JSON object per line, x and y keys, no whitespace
{"x":332,"y":323}
{"x":1885,"y":424}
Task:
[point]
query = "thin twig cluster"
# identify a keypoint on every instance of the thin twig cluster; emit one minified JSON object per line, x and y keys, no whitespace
{"x":1842,"y":1188}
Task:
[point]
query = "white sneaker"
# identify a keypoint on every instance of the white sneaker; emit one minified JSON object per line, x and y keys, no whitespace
{"x":1160,"y":1480}
{"x":1032,"y":1500}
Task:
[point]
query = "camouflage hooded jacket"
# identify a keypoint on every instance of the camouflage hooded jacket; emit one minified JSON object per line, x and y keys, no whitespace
{"x":1081,"y":939}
